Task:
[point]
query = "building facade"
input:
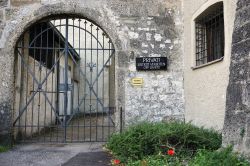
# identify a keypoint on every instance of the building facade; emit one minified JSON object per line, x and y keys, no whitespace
{"x":135,"y":29}
{"x":206,"y":84}
{"x":194,"y":36}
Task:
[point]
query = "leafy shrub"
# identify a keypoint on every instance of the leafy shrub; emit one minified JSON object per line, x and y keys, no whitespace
{"x":146,"y":138}
{"x":224,"y":157}
{"x":136,"y":142}
{"x":157,"y":160}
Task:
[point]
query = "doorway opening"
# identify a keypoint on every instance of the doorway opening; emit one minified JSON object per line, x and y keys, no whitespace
{"x":65,"y":82}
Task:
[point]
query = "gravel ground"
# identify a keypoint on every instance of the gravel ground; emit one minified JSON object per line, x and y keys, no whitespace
{"x":55,"y":155}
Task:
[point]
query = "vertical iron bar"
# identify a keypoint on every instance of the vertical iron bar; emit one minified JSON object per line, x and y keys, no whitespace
{"x":219,"y":38}
{"x":211,"y":39}
{"x":103,"y":37}
{"x":222,"y":32}
{"x":66,"y":79}
{"x":46,"y":83}
{"x":40,"y":74}
{"x":109,"y":97}
{"x":91,"y":75}
{"x":33,"y":82}
{"x":97,"y":59}
{"x":197,"y":42}
{"x":21,"y":87}
{"x":79,"y":81}
{"x":85,"y":88}
{"x":214,"y":38}
{"x":57,"y":88}
{"x":52,"y":99}
{"x":58,"y":77}
{"x":200,"y":45}
{"x":204,"y":42}
{"x":26,"y":89}
{"x":72,"y":69}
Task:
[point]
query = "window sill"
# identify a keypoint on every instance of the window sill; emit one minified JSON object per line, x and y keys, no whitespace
{"x":207,"y":64}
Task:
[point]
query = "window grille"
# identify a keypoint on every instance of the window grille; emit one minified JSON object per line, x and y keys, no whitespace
{"x":209,"y":30}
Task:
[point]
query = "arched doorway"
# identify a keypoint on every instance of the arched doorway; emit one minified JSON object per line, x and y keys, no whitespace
{"x":65,"y":82}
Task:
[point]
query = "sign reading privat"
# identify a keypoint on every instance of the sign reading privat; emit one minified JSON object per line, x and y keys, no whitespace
{"x":151,"y":63}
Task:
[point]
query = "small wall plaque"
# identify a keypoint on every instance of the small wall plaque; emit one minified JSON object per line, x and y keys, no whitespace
{"x":137,"y":81}
{"x":151,"y":63}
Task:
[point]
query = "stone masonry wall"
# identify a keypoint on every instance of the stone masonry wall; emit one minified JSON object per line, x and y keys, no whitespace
{"x":137,"y":28}
{"x":154,"y":32}
{"x":237,"y":119}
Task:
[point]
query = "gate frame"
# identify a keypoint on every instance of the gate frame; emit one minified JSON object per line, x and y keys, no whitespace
{"x":19,"y":23}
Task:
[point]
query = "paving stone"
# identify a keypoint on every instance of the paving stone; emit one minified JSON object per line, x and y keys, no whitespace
{"x":90,"y":159}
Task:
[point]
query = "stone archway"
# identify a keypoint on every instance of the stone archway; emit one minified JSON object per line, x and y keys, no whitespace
{"x":40,"y":12}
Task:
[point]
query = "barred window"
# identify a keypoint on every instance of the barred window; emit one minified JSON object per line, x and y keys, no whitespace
{"x":209,"y":30}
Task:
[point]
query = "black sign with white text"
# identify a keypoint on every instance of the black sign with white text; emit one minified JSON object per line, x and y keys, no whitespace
{"x":151,"y":63}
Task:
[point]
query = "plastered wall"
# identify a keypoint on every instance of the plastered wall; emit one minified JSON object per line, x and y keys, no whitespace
{"x":205,"y":87}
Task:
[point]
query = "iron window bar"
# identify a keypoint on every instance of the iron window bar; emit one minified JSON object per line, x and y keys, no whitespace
{"x":209,"y":30}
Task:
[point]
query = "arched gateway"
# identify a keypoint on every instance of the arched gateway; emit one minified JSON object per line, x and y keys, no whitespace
{"x":65,"y":82}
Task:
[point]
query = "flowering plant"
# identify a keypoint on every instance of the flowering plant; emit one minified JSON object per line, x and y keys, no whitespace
{"x":116,"y":162}
{"x":170,"y":152}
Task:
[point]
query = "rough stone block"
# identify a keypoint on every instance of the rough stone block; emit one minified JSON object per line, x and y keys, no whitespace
{"x":135,"y":43}
{"x":1,"y":15}
{"x":237,"y":104}
{"x":123,"y":59}
{"x":241,"y":33}
{"x":23,"y":2}
{"x":240,"y":50}
{"x":242,"y":3}
{"x":9,"y":12}
{"x":242,"y":17}
{"x":3,"y":3}
{"x":5,"y":121}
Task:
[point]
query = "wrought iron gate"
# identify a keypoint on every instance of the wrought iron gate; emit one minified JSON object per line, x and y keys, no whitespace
{"x":65,"y":82}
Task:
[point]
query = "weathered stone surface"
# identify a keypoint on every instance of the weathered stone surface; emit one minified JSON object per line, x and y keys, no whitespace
{"x":242,"y":3}
{"x":9,"y":12}
{"x":137,"y":28}
{"x":242,"y":33}
{"x":3,"y":3}
{"x":237,"y":121}
{"x":242,"y":16}
{"x":23,"y":2}
{"x":5,"y":121}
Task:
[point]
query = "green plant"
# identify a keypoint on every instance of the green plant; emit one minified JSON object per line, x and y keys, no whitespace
{"x":136,"y":142}
{"x":4,"y":148}
{"x":146,"y":138}
{"x":156,"y":160}
{"x":223,"y":157}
